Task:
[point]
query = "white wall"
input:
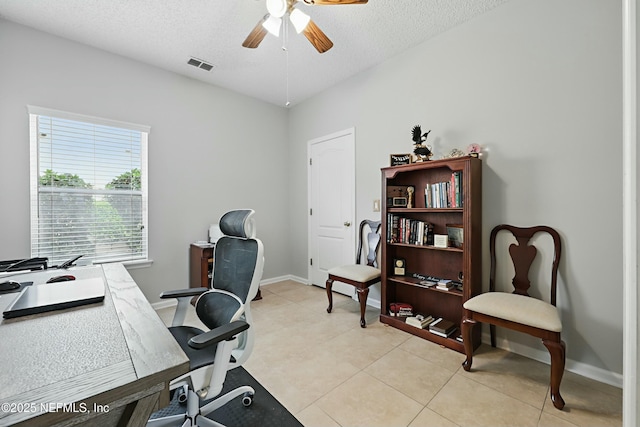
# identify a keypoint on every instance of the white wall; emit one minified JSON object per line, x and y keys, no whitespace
{"x":631,"y":222}
{"x":538,"y":85}
{"x":210,"y":150}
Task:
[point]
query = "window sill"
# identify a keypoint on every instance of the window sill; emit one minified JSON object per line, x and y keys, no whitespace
{"x":130,"y":265}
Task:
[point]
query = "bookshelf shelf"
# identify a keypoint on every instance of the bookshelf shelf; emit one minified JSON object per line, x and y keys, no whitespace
{"x":424,"y":210}
{"x":399,"y":323}
{"x":463,"y":191}
{"x":427,"y":247}
{"x":410,"y":281}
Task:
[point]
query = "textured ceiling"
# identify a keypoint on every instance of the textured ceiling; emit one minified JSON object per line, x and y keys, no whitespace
{"x":166,"y":33}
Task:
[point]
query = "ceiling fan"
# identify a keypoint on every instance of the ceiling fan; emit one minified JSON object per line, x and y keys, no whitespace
{"x":302,"y":23}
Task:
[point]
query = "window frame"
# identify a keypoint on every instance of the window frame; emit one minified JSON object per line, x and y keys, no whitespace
{"x":33,"y":113}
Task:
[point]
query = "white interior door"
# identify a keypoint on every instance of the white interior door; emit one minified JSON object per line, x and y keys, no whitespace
{"x":331,"y":186}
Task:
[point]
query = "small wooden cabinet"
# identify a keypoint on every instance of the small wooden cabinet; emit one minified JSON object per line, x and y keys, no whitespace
{"x":420,"y":257}
{"x":200,"y":266}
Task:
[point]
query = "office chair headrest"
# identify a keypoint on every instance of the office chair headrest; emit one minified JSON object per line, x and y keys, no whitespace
{"x":238,"y":223}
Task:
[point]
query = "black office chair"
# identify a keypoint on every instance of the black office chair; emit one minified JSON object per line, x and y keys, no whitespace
{"x":225,"y":310}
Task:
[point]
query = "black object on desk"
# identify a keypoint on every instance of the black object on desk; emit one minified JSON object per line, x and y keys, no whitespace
{"x":10,"y":286}
{"x":56,"y":296}
{"x":63,"y":278}
{"x":37,"y":263}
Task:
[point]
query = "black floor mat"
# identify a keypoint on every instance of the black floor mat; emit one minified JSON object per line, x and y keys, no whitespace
{"x":265,"y":411}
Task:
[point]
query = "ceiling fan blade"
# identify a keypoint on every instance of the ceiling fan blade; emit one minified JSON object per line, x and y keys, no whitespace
{"x":256,"y":35}
{"x":318,"y":39}
{"x":330,"y":2}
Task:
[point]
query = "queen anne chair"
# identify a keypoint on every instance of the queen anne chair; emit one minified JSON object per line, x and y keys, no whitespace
{"x":359,"y":275}
{"x":519,"y":311}
{"x":225,"y":310}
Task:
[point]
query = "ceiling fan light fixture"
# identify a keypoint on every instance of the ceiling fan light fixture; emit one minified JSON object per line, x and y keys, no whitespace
{"x":299,"y":19}
{"x":277,"y":8}
{"x":273,"y":24}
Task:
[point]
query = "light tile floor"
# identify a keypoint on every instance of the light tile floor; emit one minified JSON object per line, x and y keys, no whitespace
{"x":329,"y":372}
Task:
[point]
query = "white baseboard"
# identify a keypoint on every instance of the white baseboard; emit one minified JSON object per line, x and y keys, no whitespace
{"x":164,"y":304}
{"x":583,"y":369}
{"x":374,"y":302}
{"x":266,"y":282}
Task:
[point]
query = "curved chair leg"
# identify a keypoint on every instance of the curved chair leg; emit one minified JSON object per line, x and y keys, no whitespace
{"x":329,"y":294}
{"x":362,"y":297}
{"x":492,"y":331}
{"x":466,"y":329}
{"x":557,"y":350}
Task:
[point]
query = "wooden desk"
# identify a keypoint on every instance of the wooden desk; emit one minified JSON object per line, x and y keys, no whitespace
{"x":102,"y":364}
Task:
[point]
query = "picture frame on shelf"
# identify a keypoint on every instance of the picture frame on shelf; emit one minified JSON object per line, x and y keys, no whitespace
{"x":400,"y":159}
{"x":399,"y":267}
{"x":456,"y":235}
{"x":441,"y":241}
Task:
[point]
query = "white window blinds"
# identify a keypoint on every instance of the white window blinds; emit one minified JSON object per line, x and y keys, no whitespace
{"x":88,"y":187}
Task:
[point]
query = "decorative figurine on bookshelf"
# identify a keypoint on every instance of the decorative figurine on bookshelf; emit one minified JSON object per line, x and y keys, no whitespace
{"x":455,"y":152}
{"x":410,"y":191}
{"x":474,"y":150}
{"x":421,"y":152}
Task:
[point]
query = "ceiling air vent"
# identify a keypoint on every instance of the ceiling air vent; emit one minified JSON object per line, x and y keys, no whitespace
{"x":200,"y":64}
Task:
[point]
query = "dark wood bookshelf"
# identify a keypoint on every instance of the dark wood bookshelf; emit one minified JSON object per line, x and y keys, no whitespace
{"x":428,"y":260}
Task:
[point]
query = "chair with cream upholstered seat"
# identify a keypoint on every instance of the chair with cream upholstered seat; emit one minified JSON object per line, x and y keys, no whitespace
{"x":359,"y":275}
{"x":519,"y":311}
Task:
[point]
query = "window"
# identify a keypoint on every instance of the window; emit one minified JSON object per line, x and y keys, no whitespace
{"x":88,"y":187}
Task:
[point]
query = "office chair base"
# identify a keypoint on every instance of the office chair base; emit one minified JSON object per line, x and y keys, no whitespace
{"x":195,"y":415}
{"x":245,"y":391}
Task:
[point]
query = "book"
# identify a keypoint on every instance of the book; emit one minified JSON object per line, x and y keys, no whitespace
{"x":443,"y":326}
{"x":400,"y":309}
{"x":402,"y":313}
{"x":444,"y":285}
{"x":419,"y":321}
{"x":442,"y":334}
{"x":428,"y":200}
{"x":458,"y":192}
{"x":457,"y":285}
{"x":428,"y":283}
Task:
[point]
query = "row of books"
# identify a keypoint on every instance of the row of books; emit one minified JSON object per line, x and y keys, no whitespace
{"x":408,"y":231}
{"x":447,"y":194}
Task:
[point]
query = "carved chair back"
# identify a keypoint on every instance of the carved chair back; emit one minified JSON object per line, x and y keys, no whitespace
{"x":522,"y":256}
{"x":372,"y":239}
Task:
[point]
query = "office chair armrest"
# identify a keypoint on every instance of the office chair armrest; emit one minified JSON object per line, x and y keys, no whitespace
{"x":178,"y":293}
{"x":222,"y":333}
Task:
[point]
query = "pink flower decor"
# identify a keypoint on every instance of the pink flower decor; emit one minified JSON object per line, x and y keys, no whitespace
{"x":473,"y":148}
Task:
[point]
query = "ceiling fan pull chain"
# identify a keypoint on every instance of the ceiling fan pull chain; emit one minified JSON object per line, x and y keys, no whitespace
{"x":285,"y":38}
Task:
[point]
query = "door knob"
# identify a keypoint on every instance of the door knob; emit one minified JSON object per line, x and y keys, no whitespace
{"x":347,"y":224}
